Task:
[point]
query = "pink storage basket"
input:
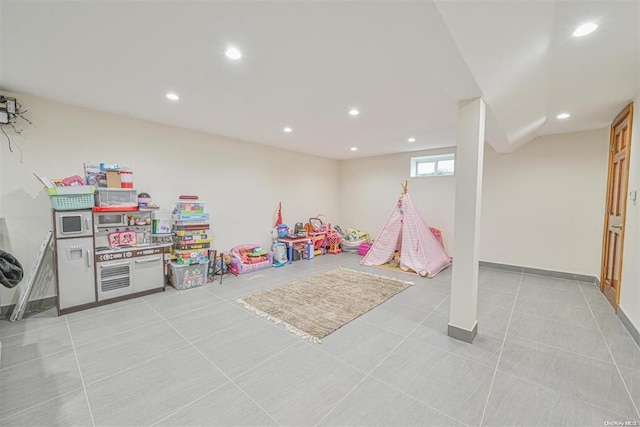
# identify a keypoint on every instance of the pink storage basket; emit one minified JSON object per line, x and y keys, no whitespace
{"x":363,"y":248}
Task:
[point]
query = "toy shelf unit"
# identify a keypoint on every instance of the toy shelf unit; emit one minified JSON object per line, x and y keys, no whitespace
{"x":191,"y":245}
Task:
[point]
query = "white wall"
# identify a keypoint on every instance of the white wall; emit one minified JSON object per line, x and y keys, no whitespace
{"x":241,"y":182}
{"x":630,"y":285}
{"x":543,"y":206}
{"x":370,"y":187}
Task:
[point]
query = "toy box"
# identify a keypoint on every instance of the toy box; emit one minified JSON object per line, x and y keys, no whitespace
{"x":192,"y":256}
{"x":116,"y":197}
{"x":187,"y":276}
{"x":189,"y":207}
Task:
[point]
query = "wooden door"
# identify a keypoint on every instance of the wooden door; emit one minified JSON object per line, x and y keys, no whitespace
{"x":616,"y":204}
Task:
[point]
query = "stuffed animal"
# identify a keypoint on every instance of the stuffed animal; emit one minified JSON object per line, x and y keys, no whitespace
{"x":395,"y":261}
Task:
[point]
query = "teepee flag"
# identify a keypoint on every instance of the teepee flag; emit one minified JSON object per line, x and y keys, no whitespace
{"x":279,"y":220}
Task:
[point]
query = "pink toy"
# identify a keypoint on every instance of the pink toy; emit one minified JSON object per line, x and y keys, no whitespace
{"x":363,"y":248}
{"x":72,"y":180}
{"x":242,"y":263}
{"x":333,"y":239}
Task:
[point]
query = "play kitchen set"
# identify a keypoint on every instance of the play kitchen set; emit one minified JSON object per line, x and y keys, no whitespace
{"x":105,"y":248}
{"x":110,"y":244}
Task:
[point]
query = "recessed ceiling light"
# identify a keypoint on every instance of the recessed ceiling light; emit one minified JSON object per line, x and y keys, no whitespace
{"x":233,"y":53}
{"x":354,"y":148}
{"x":354,"y":112}
{"x":287,"y":130}
{"x":411,"y":139}
{"x":563,"y":116}
{"x":585,"y":29}
{"x":172,"y":96}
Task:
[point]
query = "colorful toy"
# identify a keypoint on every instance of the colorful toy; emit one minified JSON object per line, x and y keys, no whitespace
{"x":333,"y":239}
{"x":283,"y":230}
{"x":248,"y":258}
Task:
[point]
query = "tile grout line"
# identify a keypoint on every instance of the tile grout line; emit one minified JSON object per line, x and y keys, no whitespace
{"x":561,"y":393}
{"x":380,"y":380}
{"x":214,"y":365}
{"x":612,"y":357}
{"x":4,"y":337}
{"x":434,"y":346}
{"x":21,"y":411}
{"x":551,"y":301}
{"x":124,"y":331}
{"x":161,"y":354}
{"x":105,"y":309}
{"x":555,"y":320}
{"x":230,"y":381}
{"x":190,"y":403}
{"x":84,"y":387}
{"x":504,"y":340}
{"x":563,"y":350}
{"x":157,"y":356}
{"x":24,"y":362}
{"x":368,"y":374}
{"x":431,"y":345}
{"x":467,"y":358}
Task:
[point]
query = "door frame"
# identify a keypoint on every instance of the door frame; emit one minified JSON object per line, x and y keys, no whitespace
{"x":625,"y":114}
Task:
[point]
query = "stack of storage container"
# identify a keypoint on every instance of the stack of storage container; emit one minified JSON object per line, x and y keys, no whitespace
{"x":188,"y":268}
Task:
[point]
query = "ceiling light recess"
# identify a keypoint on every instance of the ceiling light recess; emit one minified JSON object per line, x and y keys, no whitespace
{"x":412,"y":139}
{"x":585,"y":29}
{"x":563,"y":116}
{"x":287,"y":130}
{"x":233,"y":53}
{"x":353,"y":112}
{"x":354,"y":148}
{"x":172,"y":96}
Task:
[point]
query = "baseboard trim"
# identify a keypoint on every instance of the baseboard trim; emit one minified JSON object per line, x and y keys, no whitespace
{"x":540,"y":272}
{"x":462,"y":334}
{"x":35,"y":305}
{"x":635,"y":334}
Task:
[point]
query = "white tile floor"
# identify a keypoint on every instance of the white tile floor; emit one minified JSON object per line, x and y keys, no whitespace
{"x":548,"y":352}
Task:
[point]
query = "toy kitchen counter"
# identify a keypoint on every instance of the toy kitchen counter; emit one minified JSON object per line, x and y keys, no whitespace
{"x":107,"y":253}
{"x":128,"y":271}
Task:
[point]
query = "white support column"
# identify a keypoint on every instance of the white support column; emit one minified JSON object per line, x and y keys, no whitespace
{"x":463,"y":318}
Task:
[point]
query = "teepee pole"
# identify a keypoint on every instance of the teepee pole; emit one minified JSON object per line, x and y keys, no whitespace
{"x":404,"y":185}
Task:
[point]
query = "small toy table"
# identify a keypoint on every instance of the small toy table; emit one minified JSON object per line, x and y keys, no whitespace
{"x":290,"y":241}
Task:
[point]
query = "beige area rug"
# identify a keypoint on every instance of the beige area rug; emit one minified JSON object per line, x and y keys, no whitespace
{"x":318,"y":305}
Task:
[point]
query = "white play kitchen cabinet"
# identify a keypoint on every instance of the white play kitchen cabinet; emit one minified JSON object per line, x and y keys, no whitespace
{"x":104,"y":257}
{"x":74,"y":258}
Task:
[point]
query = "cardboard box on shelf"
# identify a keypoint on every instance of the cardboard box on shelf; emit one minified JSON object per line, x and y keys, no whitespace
{"x":113,"y":179}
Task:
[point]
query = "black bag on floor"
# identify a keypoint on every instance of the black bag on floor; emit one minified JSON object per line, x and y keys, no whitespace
{"x":11,"y":272}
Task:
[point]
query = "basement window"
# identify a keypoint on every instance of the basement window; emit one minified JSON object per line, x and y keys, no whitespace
{"x":441,"y":165}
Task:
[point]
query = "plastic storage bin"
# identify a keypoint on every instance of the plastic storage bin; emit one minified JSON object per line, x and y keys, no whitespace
{"x":70,"y":198}
{"x":189,"y":207}
{"x":116,"y":197}
{"x":187,"y":276}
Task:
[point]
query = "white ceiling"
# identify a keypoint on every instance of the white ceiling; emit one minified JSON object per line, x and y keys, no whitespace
{"x":404,"y":64}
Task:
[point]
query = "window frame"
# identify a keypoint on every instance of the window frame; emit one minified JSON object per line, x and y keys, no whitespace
{"x":416,"y":161}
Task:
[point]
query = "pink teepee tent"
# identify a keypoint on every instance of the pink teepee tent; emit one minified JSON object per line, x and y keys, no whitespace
{"x":405,"y":231}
